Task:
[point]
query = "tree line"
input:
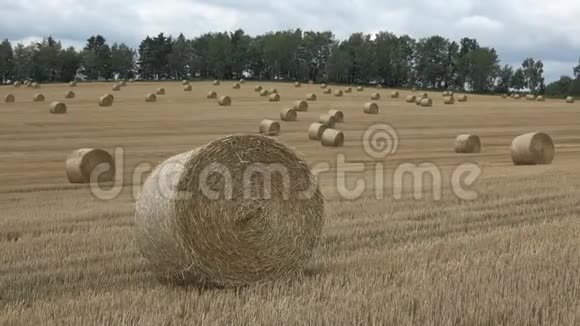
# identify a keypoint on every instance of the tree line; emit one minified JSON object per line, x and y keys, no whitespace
{"x":384,"y":58}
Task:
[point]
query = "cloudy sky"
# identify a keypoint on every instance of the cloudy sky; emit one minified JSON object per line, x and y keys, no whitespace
{"x":544,"y":29}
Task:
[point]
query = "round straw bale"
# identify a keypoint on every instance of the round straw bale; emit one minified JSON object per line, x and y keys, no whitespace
{"x":338,"y":93}
{"x":224,"y":101}
{"x":504,"y":96}
{"x":423,"y":95}
{"x":541,"y":98}
{"x":532,"y":148}
{"x":288,"y":114}
{"x":371,"y":108}
{"x":569,"y":99}
{"x":106,"y":100}
{"x":258,"y":89}
{"x":212,"y":94}
{"x":242,"y":80}
{"x":375,"y":96}
{"x":338,"y":115}
{"x":395,"y":95}
{"x":17,"y":83}
{"x":327,"y":91}
{"x":332,"y":137}
{"x":269,"y":127}
{"x":216,"y":83}
{"x":327,"y":120}
{"x":187,"y":88}
{"x":274,"y":97}
{"x":348,"y":90}
{"x":531,"y":97}
{"x":230,"y":227}
{"x":462,"y":98}
{"x":26,"y":83}
{"x":467,"y":144}
{"x":379,"y":86}
{"x":57,"y":108}
{"x":311,"y":97}
{"x":69,"y":94}
{"x":83,"y":162}
{"x":9,"y":98}
{"x":131,"y":80}
{"x":426,"y":102}
{"x":316,"y":130}
{"x":160,"y":91}
{"x":410,"y":99}
{"x":185,"y":82}
{"x":38,"y":98}
{"x":449,"y":100}
{"x":151,"y":98}
{"x":116,"y":87}
{"x":360,"y":89}
{"x":35,"y":85}
{"x":264,"y":92}
{"x":418,"y":100}
{"x":273,"y":91}
{"x":300,"y":106}
{"x":297,"y":84}
{"x":516,"y":96}
{"x":236,"y":86}
{"x":323,"y":86}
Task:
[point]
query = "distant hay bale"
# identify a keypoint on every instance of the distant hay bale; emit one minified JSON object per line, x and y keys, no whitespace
{"x":379,"y":86}
{"x":531,"y":97}
{"x":338,"y":93}
{"x":569,"y":99}
{"x":462,"y":98}
{"x":371,"y":108}
{"x":57,"y":107}
{"x":395,"y":95}
{"x":160,"y":91}
{"x":26,"y":83}
{"x":236,"y":86}
{"x":185,"y":82}
{"x":35,"y":85}
{"x":273,"y":91}
{"x":69,"y":94}
{"x":541,"y":98}
{"x":504,"y":96}
{"x":150,"y":98}
{"x":9,"y":98}
{"x":216,"y":82}
{"x":423,"y":95}
{"x":467,"y":144}
{"x":418,"y":100}
{"x":297,"y":84}
{"x":300,"y":106}
{"x":224,"y":101}
{"x":288,"y":114}
{"x":106,"y":100}
{"x":348,"y":90}
{"x":212,"y":94}
{"x":410,"y":99}
{"x":426,"y":102}
{"x":116,"y":87}
{"x":327,"y":91}
{"x":242,"y":81}
{"x":447,"y":94}
{"x":311,"y":82}
{"x":311,"y":97}
{"x":316,"y":130}
{"x":123,"y":83}
{"x":375,"y":96}
{"x":258,"y":89}
{"x":274,"y":98}
{"x":38,"y":98}
{"x":516,"y":96}
{"x":327,"y":120}
{"x":338,"y":115}
{"x":360,"y":89}
{"x":131,"y":80}
{"x":226,"y":234}
{"x":84,"y":162}
{"x":17,"y":83}
{"x":532,"y":148}
{"x":264,"y":92}
{"x":269,"y":127}
{"x":449,"y":100}
{"x":323,"y":86}
{"x":187,"y":88}
{"x":332,"y":138}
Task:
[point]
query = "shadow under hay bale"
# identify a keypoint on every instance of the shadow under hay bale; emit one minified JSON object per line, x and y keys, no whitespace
{"x":81,"y":163}
{"x":532,"y":148}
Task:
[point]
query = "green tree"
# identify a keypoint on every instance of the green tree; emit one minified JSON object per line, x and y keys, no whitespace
{"x":518,"y":80}
{"x":533,"y":72}
{"x":69,"y":64}
{"x":504,"y":79}
{"x":6,"y":61}
{"x":23,"y":59}
{"x":122,"y":60}
{"x":432,"y":61}
{"x":483,"y":69}
{"x":96,"y":58}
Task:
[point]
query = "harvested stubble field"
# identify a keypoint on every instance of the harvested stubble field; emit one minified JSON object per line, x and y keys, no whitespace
{"x":510,"y":257}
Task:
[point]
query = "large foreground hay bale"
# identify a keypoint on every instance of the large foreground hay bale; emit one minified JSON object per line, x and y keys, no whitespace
{"x":57,"y":107}
{"x":316,"y":130}
{"x":327,"y":120}
{"x":327,"y":91}
{"x":449,"y":100}
{"x":297,"y":84}
{"x":216,"y":82}
{"x":371,"y":108}
{"x":338,"y":115}
{"x":395,"y":94}
{"x":332,"y":138}
{"x":269,"y":127}
{"x":17,"y":84}
{"x":311,"y":97}
{"x":264,"y":92}
{"x":150,"y":98}
{"x":237,"y":86}
{"x":69,"y":94}
{"x":300,"y":106}
{"x":38,"y":98}
{"x":467,"y":144}
{"x":9,"y":98}
{"x":338,"y":93}
{"x":426,"y":102}
{"x":411,"y":99}
{"x":81,"y":163}
{"x":288,"y":114}
{"x":360,"y":89}
{"x":462,"y":98}
{"x":212,"y":94}
{"x":274,"y":97}
{"x":375,"y":96}
{"x":160,"y":91}
{"x":224,"y":101}
{"x":532,"y":148}
{"x":258,"y":89}
{"x":569,"y":99}
{"x":116,"y":87}
{"x":106,"y":100}
{"x":348,"y":90}
{"x":187,"y":88}
{"x":236,"y":229}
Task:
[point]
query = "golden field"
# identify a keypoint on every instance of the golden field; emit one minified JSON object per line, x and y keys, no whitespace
{"x":509,"y":257}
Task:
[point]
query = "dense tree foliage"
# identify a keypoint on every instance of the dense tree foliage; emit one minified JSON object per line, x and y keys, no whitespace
{"x":384,"y":58}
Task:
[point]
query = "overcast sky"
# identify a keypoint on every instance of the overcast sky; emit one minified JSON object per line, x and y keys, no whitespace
{"x":544,"y":29}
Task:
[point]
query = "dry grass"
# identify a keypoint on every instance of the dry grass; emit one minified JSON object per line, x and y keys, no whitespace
{"x":510,"y":257}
